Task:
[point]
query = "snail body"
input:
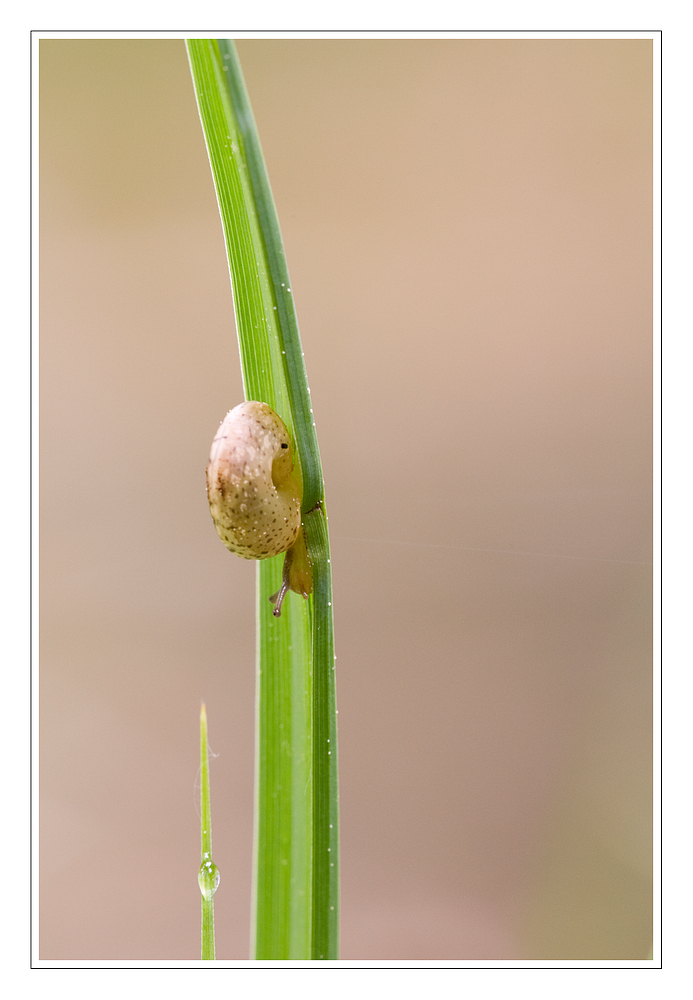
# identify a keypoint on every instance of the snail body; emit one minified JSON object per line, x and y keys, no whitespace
{"x":255,"y":493}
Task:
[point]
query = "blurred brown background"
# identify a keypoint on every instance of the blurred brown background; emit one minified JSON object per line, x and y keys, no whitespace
{"x":468,"y":230}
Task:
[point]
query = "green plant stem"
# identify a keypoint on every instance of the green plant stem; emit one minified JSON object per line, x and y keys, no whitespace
{"x":287,"y":325}
{"x":296,"y":882}
{"x":325,"y":929}
{"x":208,"y":875}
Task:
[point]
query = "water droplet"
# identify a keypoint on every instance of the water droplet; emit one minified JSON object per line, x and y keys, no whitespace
{"x":208,"y":878}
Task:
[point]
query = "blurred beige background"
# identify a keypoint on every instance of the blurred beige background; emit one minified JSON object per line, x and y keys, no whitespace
{"x":468,"y":230}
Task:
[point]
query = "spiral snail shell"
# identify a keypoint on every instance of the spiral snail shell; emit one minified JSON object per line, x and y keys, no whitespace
{"x":255,"y":494}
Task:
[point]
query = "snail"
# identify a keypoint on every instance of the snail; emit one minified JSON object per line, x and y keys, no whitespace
{"x":255,"y":493}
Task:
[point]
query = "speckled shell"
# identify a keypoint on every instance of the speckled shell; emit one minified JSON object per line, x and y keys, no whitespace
{"x":254,"y":495}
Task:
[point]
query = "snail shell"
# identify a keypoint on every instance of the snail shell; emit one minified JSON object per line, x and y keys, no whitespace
{"x":255,"y":495}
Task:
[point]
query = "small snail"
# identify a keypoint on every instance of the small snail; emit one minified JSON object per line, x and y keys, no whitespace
{"x":255,"y":494}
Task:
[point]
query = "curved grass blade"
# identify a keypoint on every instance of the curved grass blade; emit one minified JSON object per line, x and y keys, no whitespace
{"x":296,"y":866}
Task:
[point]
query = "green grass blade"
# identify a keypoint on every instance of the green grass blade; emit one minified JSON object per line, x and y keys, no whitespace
{"x":296,"y":881}
{"x":282,"y":870}
{"x":208,"y":875}
{"x":287,"y":327}
{"x":325,"y":930}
